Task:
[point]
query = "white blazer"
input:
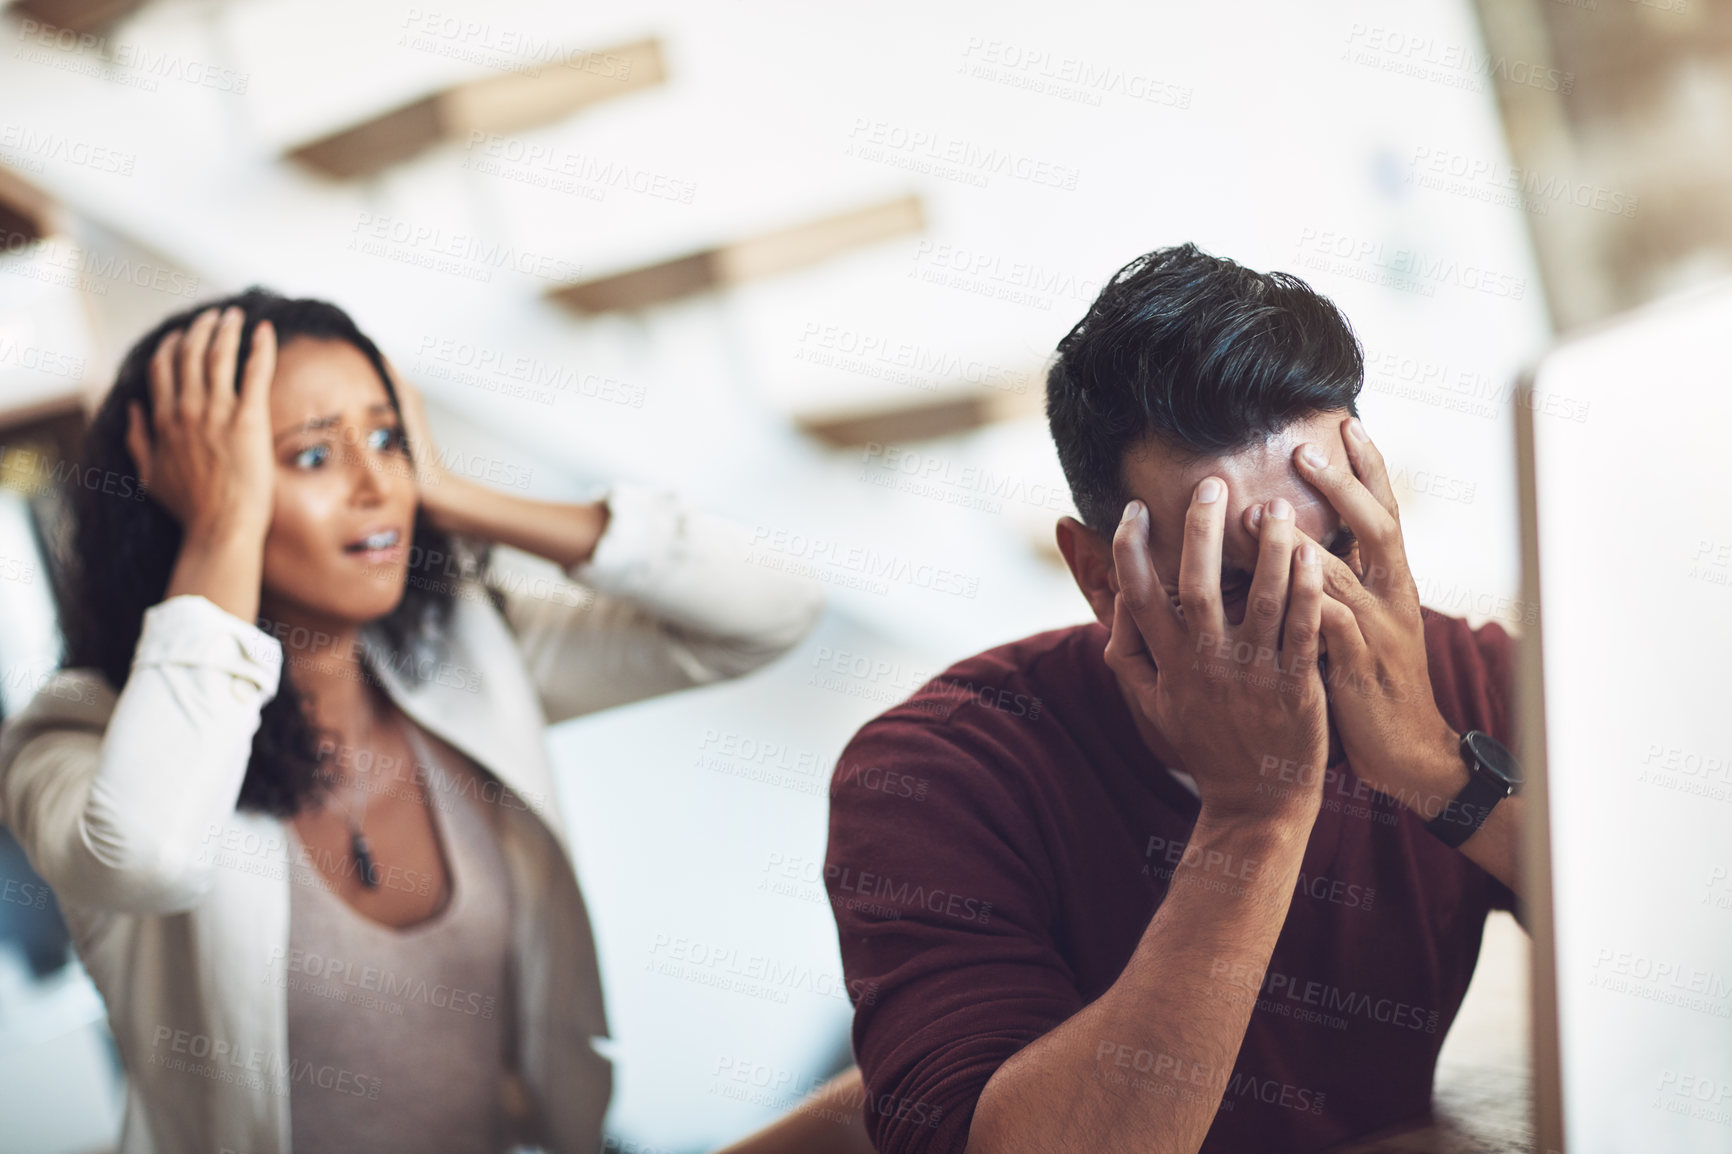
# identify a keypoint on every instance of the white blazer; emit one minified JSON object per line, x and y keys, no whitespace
{"x":179,"y":905}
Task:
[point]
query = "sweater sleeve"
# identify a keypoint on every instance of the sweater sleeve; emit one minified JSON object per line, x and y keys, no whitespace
{"x":116,"y":807}
{"x":1497,"y":672}
{"x":1473,"y":680}
{"x":944,"y":905}
{"x":668,"y":600}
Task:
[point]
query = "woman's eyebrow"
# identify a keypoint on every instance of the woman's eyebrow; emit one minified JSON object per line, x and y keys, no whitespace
{"x":309,"y":424}
{"x":328,"y":420}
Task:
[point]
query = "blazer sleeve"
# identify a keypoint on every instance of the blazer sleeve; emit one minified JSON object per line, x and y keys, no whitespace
{"x":668,"y":600}
{"x":117,"y":798}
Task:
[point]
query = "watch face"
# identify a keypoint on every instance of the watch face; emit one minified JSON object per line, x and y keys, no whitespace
{"x":1494,"y":756}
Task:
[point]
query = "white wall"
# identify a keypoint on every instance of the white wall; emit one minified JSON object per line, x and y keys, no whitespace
{"x":1639,"y":741}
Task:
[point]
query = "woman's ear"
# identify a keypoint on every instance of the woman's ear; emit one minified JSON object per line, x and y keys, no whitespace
{"x":1090,"y":558}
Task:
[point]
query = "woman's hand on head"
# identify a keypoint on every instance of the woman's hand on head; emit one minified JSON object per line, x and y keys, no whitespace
{"x":205,"y":452}
{"x":430,"y":474}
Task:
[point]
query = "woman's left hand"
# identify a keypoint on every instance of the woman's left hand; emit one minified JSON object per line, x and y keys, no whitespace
{"x":562,"y":532}
{"x":430,"y":474}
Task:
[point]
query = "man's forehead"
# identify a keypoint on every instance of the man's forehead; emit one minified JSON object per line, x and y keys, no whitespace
{"x":1165,"y":480}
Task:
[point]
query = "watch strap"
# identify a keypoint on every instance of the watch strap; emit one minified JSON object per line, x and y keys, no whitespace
{"x":1461,"y":817}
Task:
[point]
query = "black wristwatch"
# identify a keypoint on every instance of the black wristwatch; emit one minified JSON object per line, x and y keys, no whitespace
{"x":1494,"y":775}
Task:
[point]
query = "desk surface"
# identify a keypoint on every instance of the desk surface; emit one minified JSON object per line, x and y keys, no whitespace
{"x":1475,"y":1110}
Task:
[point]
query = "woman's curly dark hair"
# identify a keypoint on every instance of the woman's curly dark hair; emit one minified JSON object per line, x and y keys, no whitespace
{"x":123,"y":553}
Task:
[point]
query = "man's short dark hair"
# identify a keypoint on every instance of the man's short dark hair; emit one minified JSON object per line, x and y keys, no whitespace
{"x":1200,"y":353}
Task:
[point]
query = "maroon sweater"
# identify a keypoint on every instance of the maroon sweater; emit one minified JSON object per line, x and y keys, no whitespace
{"x":999,"y":842}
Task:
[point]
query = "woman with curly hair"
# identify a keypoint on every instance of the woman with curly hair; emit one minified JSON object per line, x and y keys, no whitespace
{"x":290,"y":786}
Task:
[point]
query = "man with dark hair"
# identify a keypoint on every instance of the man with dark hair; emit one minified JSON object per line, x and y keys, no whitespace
{"x":1210,"y":872}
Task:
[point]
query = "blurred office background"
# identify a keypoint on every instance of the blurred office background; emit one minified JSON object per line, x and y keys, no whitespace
{"x":805,"y":265}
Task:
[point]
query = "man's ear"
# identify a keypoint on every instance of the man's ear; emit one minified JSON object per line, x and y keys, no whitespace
{"x":1090,"y":557}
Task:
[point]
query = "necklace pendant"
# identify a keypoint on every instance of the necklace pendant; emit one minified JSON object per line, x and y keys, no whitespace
{"x":364,"y":860}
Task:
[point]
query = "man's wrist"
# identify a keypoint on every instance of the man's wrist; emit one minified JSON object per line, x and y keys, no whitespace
{"x":1285,"y":793}
{"x":1276,"y":826}
{"x":1243,"y":855}
{"x":1433,"y":776}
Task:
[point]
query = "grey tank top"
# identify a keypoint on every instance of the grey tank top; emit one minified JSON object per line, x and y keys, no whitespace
{"x":398,"y":1037}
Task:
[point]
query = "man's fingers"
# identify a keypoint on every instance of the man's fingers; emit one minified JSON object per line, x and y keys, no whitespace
{"x":1378,"y":530}
{"x":220,"y":365}
{"x":1368,"y":465}
{"x":193,"y":390}
{"x":1304,"y":612}
{"x":1267,"y":598}
{"x":1140,"y":594}
{"x":1200,"y":558}
{"x":1341,"y":633}
{"x":1339,"y":579}
{"x":1127,"y":652}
